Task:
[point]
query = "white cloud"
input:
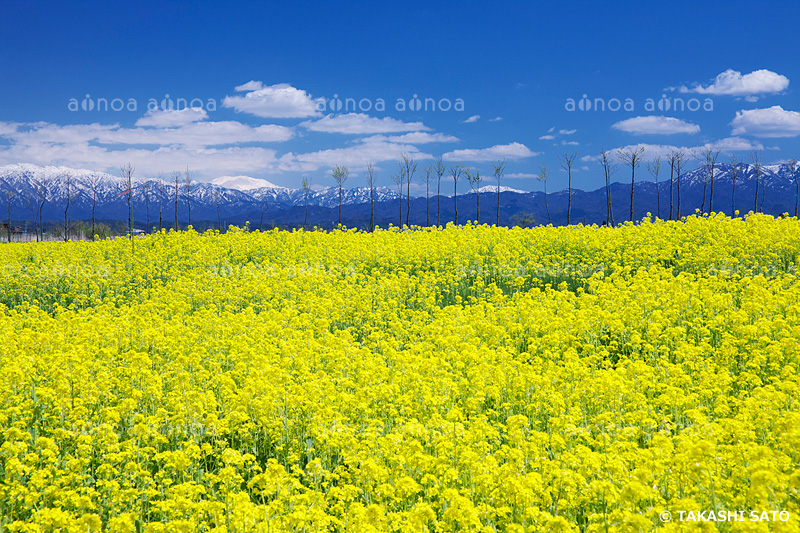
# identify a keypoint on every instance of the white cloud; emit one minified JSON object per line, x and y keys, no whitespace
{"x":500,"y":151}
{"x":496,"y":119}
{"x":770,"y":122}
{"x":547,"y":137}
{"x":653,"y":125}
{"x":520,"y":175}
{"x":274,"y":101}
{"x":416,"y":137}
{"x":354,"y":156}
{"x":473,"y":118}
{"x":251,"y":85}
{"x":566,"y":132}
{"x":732,"y":82}
{"x":172,"y":117}
{"x":199,"y":134}
{"x":728,"y":145}
{"x":569,"y":143}
{"x":359,"y":123}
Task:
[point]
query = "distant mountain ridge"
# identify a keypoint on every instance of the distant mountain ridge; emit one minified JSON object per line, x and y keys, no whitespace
{"x":246,"y":200}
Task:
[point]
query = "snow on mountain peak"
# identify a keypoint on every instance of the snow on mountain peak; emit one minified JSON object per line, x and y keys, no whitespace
{"x":244,"y":183}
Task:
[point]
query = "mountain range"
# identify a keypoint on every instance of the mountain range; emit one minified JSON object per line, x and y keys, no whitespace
{"x":238,"y":199}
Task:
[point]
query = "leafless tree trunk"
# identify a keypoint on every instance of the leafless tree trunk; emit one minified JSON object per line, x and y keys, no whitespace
{"x":474,"y":180}
{"x":410,"y":167}
{"x":370,"y":178}
{"x":708,"y":157}
{"x":399,"y":180}
{"x":735,"y":172}
{"x":428,"y":177}
{"x":127,"y":176}
{"x":632,"y":157}
{"x":306,"y":190}
{"x":654,"y":168}
{"x":456,"y":171}
{"x":499,"y":168}
{"x":160,"y":202}
{"x":68,"y":181}
{"x":756,"y":157}
{"x":608,"y":170}
{"x":679,"y":161}
{"x":94,"y":185}
{"x":187,"y":180}
{"x":177,"y":177}
{"x":440,"y":170}
{"x":340,"y":176}
{"x":542,"y":177}
{"x":567,"y":160}
{"x":793,"y":171}
{"x":145,"y":187}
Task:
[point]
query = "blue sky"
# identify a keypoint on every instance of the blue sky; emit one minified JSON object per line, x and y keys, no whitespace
{"x":264,"y":77}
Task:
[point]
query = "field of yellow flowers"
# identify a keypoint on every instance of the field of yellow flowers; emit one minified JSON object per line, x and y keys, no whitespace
{"x":468,"y":378}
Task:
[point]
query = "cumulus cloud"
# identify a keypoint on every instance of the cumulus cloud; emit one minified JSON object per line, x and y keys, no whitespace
{"x":656,"y":125}
{"x":162,"y":118}
{"x":769,"y":122}
{"x":273,"y":101}
{"x":501,"y":151}
{"x":728,"y":145}
{"x":473,"y":118}
{"x":359,"y":123}
{"x":354,"y":157}
{"x":198,"y":134}
{"x":733,"y":83}
{"x":417,"y":137}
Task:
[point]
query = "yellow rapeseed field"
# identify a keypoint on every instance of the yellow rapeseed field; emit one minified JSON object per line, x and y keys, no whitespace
{"x":468,"y":378}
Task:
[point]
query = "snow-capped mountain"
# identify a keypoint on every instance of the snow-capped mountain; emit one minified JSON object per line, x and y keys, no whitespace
{"x":36,"y":192}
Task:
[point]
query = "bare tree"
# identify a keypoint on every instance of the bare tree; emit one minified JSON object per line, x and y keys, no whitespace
{"x":127,"y":176}
{"x":369,"y":176}
{"x":456,"y":171}
{"x":160,"y":202}
{"x":736,"y":172}
{"x":543,"y":178}
{"x":567,"y":160}
{"x":410,"y":167}
{"x":499,"y":168}
{"x":306,"y":191}
{"x":399,"y":180}
{"x":440,"y":170}
{"x":145,"y":189}
{"x":674,"y":156}
{"x":474,"y":179}
{"x":177,"y":177}
{"x":757,"y":169}
{"x":264,"y":208}
{"x":654,"y":167}
{"x":792,"y":164}
{"x":428,"y":177}
{"x":608,"y":170}
{"x":68,"y":184}
{"x":42,"y":190}
{"x":633,"y":158}
{"x":679,"y":161}
{"x":94,"y":186}
{"x":187,"y":182}
{"x":340,"y":176}
{"x":708,"y":157}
